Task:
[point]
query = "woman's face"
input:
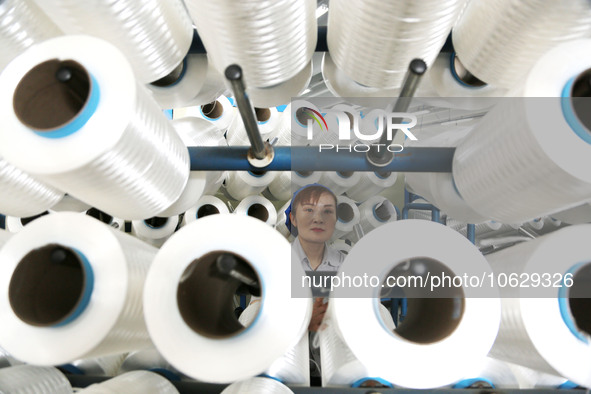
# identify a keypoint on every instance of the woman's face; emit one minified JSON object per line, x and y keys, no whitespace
{"x":316,"y":222}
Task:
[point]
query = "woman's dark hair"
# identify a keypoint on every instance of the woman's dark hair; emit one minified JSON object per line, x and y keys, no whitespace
{"x":311,"y":194}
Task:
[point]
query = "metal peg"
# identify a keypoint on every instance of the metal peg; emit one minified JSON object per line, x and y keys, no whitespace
{"x":260,"y":153}
{"x":416,"y":69}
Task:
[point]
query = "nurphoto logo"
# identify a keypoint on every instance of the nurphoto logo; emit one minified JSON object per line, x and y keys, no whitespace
{"x":352,"y":122}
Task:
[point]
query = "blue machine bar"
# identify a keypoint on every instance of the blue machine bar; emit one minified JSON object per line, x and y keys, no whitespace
{"x":2,"y":221}
{"x":471,"y":233}
{"x":308,"y":158}
{"x":421,"y":207}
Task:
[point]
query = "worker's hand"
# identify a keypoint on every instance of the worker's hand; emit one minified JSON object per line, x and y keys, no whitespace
{"x":318,"y":311}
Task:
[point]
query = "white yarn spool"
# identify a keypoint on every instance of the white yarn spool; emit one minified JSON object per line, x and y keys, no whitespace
{"x":371,"y":183}
{"x":271,"y":42}
{"x":207,"y":205}
{"x":99,"y":311}
{"x":500,"y":41}
{"x":135,"y":382}
{"x":219,"y":112}
{"x":552,"y":223}
{"x":258,"y":207}
{"x":268,"y":123}
{"x":100,"y":366}
{"x":300,"y":179}
{"x":446,"y":347}
{"x":331,"y":135}
{"x":339,"y":366}
{"x":286,"y":183}
{"x":439,"y":190}
{"x":200,"y":347}
{"x":407,"y":31}
{"x":29,"y":379}
{"x":280,"y":225}
{"x":23,"y":195}
{"x":241,"y":184}
{"x":341,"y":246}
{"x":441,"y":77}
{"x":299,"y":118}
{"x":257,"y":385}
{"x":489,"y":372}
{"x":69,"y":203}
{"x":577,"y":215}
{"x":23,"y":24}
{"x":375,"y":212}
{"x":16,"y":224}
{"x":340,"y":181}
{"x":198,"y":83}
{"x":155,"y":231}
{"x":4,"y":236}
{"x":536,"y":224}
{"x":109,"y":220}
{"x":148,"y":359}
{"x":154,"y":36}
{"x":283,"y":92}
{"x":196,"y":132}
{"x":281,"y":187}
{"x":291,"y":368}
{"x":533,"y":178}
{"x":341,"y":85}
{"x":284,"y":127}
{"x":347,"y":216}
{"x":529,"y":378}
{"x":548,"y":334}
{"x":419,"y":183}
{"x":95,"y":152}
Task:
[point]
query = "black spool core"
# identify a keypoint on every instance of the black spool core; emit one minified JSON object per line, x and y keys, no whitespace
{"x":345,"y":212}
{"x":465,"y":76}
{"x":47,"y":285}
{"x":206,"y":210}
{"x":171,"y":78}
{"x":581,"y":98}
{"x":304,"y":174}
{"x":156,"y":222}
{"x":51,"y":94}
{"x":579,"y":300}
{"x":212,"y":110}
{"x":262,"y":114}
{"x":345,"y":174}
{"x":205,"y":297}
{"x":100,"y":215}
{"x":431,"y":316}
{"x":302,"y":116}
{"x":258,"y":211}
{"x":383,"y":212}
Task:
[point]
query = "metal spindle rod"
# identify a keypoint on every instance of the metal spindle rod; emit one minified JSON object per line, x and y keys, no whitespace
{"x":235,"y":76}
{"x":416,"y":69}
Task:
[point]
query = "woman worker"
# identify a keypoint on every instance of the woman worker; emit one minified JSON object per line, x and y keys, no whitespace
{"x":312,"y":218}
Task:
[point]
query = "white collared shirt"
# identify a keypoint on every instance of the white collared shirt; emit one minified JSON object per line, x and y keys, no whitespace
{"x":331,"y":260}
